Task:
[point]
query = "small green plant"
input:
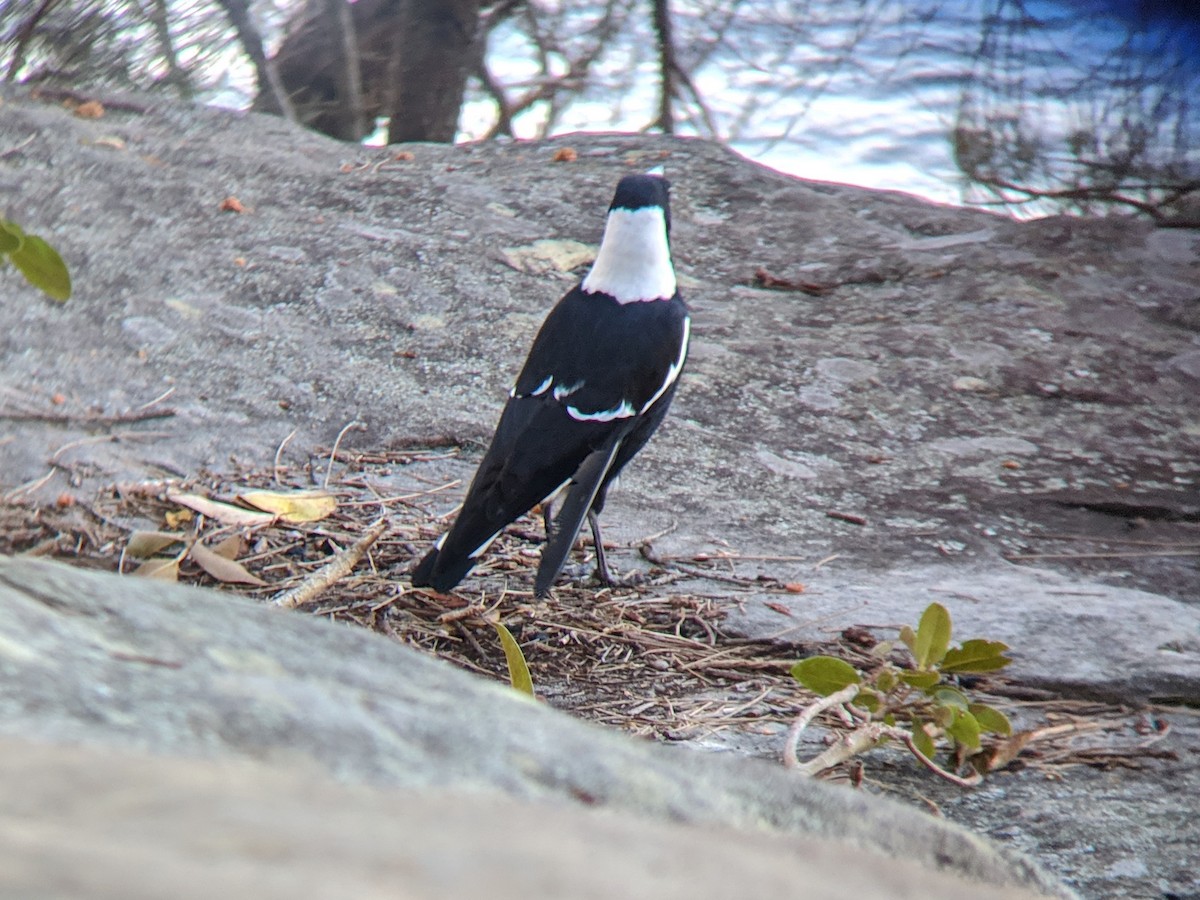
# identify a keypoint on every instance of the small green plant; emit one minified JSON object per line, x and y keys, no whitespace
{"x":35,"y":259}
{"x":518,"y":669}
{"x":918,"y":703}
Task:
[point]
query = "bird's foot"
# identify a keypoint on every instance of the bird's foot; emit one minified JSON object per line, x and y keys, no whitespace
{"x":585,"y":572}
{"x":632,"y":579}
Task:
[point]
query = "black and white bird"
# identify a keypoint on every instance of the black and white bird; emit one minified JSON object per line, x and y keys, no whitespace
{"x":597,"y":383}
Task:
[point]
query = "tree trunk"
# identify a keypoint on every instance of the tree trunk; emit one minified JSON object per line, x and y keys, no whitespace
{"x":434,"y":54}
{"x":404,"y":59}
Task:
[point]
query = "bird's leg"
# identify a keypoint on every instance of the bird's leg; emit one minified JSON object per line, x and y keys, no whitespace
{"x":602,"y":572}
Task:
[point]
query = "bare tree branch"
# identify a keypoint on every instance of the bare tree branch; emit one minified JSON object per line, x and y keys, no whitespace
{"x":668,"y":65}
{"x":270,"y":84}
{"x":24,"y":35}
{"x":157,"y":13}
{"x":348,"y":72}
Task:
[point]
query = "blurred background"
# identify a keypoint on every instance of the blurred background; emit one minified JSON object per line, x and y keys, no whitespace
{"x":1034,"y":107}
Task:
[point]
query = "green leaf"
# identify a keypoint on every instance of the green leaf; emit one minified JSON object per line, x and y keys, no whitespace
{"x":11,"y":236}
{"x":933,"y":636}
{"x":885,"y":681}
{"x":43,"y":267}
{"x":867,"y":699}
{"x":990,"y":720}
{"x":922,"y":740}
{"x":952,"y":697}
{"x":908,"y":637}
{"x":518,"y":670}
{"x":920,"y":680}
{"x":883,"y":649}
{"x":976,"y":656}
{"x":825,"y":675}
{"x":964,"y":729}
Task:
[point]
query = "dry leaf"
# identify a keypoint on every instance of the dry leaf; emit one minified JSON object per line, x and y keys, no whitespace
{"x":294,"y":507}
{"x":220,"y":568}
{"x":1003,"y":753}
{"x":403,"y":156}
{"x":144,"y":544}
{"x":795,"y":587}
{"x":763,"y":278}
{"x":232,"y":204}
{"x":92,"y":109}
{"x":565,"y":154}
{"x":176,"y":517}
{"x":166,"y":569}
{"x":112,"y":142}
{"x":225,"y":513}
{"x":544,"y":256}
{"x":230,"y":547}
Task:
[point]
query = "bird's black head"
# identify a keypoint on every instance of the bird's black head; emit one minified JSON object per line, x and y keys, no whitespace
{"x":642,"y":191}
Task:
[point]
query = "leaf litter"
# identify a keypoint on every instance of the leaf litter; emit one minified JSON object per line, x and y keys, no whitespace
{"x":656,"y":663}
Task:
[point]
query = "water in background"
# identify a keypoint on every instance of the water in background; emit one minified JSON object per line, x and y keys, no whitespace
{"x":1048,"y":96}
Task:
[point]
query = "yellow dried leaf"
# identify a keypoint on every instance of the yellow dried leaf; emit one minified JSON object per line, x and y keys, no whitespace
{"x":294,"y":507}
{"x":176,"y":517}
{"x":225,"y":513}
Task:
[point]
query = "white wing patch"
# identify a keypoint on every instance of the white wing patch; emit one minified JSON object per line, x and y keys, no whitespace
{"x":623,"y":410}
{"x":566,"y":390}
{"x":676,"y":367}
{"x":479,"y":551}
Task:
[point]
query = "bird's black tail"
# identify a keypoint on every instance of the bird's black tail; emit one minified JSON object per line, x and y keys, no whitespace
{"x":570,"y":516}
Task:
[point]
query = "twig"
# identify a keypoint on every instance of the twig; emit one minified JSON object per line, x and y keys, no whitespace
{"x":857,"y":741}
{"x":899,"y":734}
{"x":17,"y":148}
{"x":1111,"y":555}
{"x":159,"y":399}
{"x":275,"y":466}
{"x":845,"y":695}
{"x":336,"y":568}
{"x":140,"y":414}
{"x":648,"y":554}
{"x":852,"y":518}
{"x":336,"y":443}
{"x":30,"y":486}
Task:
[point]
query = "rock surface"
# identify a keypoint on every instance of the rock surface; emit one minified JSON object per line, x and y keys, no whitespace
{"x":94,"y":659}
{"x":961,"y":390}
{"x":124,"y":825}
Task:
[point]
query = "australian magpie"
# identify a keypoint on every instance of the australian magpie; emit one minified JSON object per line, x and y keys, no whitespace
{"x":597,"y":383}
